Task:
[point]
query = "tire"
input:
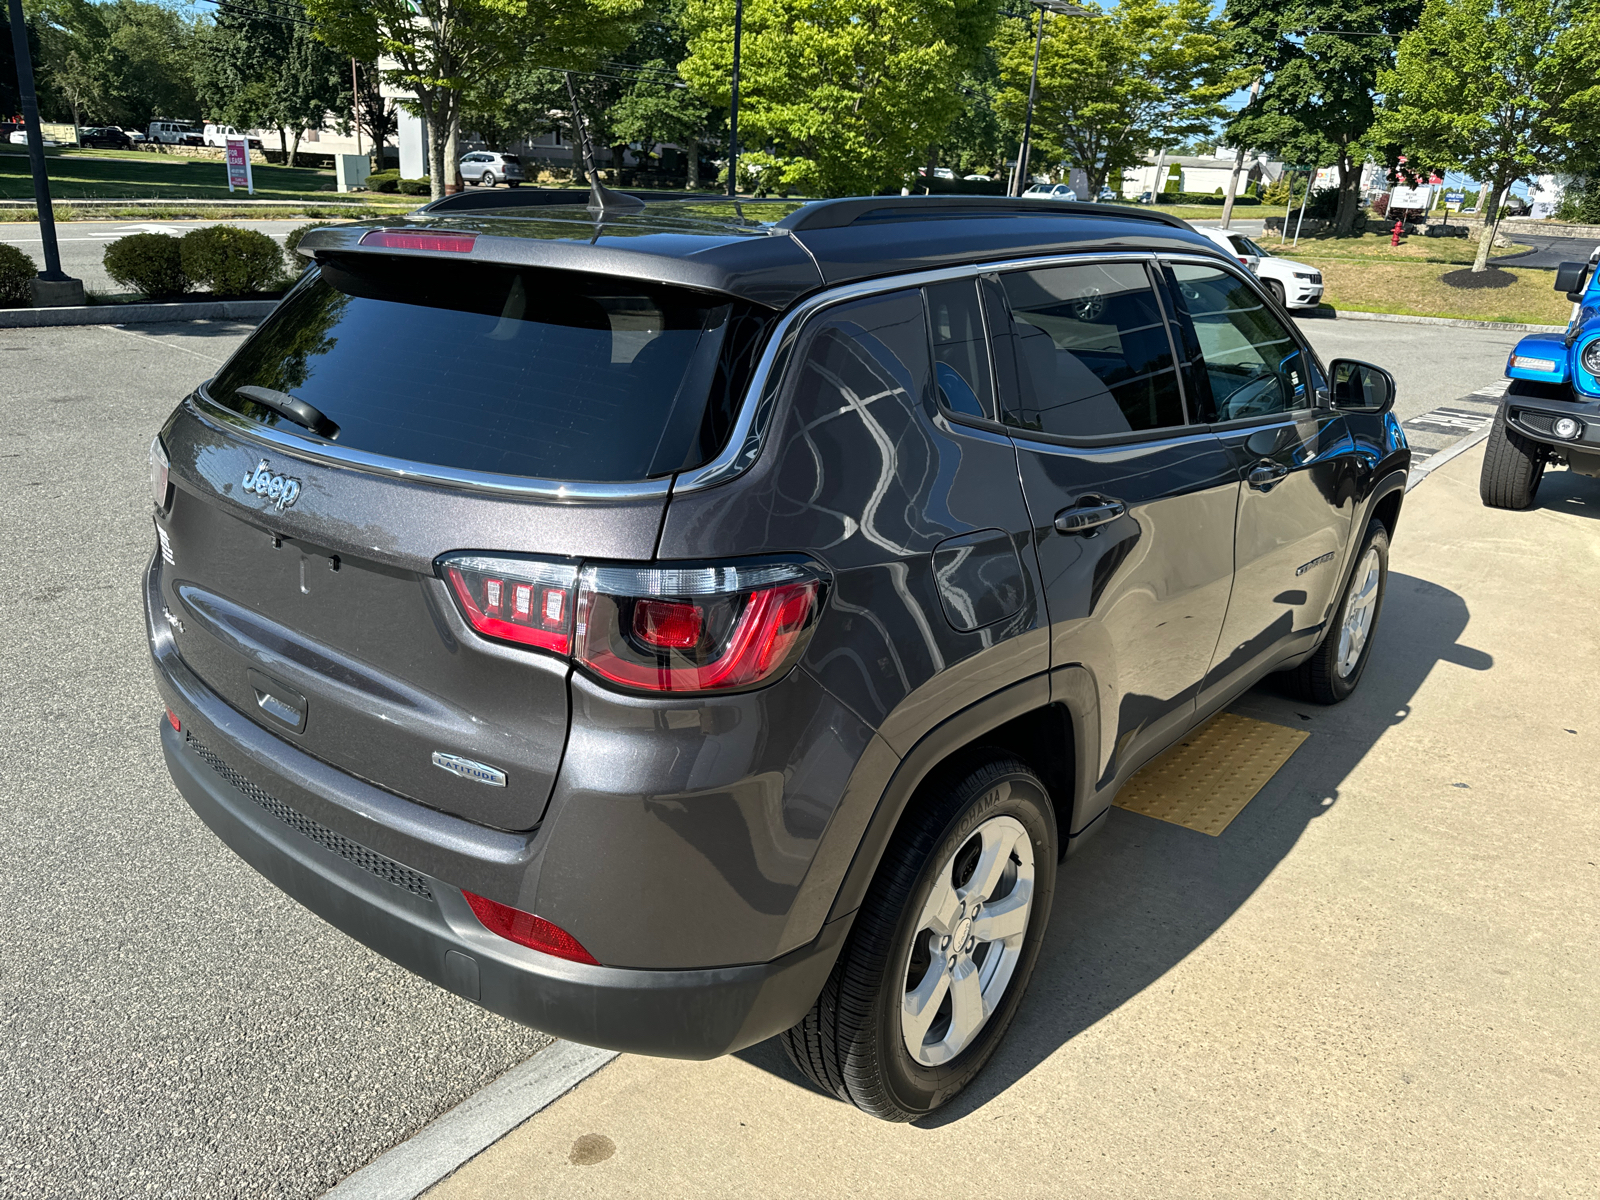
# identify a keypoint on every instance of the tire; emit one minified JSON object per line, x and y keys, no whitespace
{"x":513,"y":183}
{"x":1276,"y":289}
{"x":853,"y":1043}
{"x":1512,"y":466}
{"x":487,"y":180}
{"x":1331,"y":673}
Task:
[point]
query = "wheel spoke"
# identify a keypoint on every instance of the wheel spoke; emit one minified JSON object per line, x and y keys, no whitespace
{"x":921,"y":1004}
{"x":1004,"y":919}
{"x":939,"y":914}
{"x":997,"y":846}
{"x":967,"y":1012}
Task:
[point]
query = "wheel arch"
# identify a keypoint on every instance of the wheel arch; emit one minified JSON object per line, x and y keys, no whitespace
{"x":1021,"y":721}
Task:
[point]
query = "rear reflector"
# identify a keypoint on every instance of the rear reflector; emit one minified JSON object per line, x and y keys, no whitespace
{"x":399,"y":239}
{"x":172,"y":719}
{"x":527,"y":930}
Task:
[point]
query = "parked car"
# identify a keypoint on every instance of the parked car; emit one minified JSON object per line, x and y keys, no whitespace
{"x":978,"y":178}
{"x":1550,"y":414}
{"x":104,"y":137}
{"x":1147,"y":197}
{"x":19,"y":137}
{"x":1292,"y":284}
{"x":1107,"y":195}
{"x":709,"y":627}
{"x":218,"y":135}
{"x":489,"y":167}
{"x":173,"y":133}
{"x":1050,"y":191}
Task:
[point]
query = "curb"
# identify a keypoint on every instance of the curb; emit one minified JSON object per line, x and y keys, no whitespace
{"x":136,"y":314}
{"x":1423,"y":470}
{"x":1456,"y":322}
{"x":474,"y":1125}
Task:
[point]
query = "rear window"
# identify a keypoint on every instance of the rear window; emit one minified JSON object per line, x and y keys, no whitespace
{"x":514,"y":371}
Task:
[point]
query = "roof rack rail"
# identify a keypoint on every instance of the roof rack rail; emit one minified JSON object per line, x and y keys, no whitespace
{"x":836,"y":214}
{"x":535,"y":197}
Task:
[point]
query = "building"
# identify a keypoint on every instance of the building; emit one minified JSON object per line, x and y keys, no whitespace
{"x":1203,"y":175}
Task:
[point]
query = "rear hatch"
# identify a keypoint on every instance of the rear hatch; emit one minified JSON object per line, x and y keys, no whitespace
{"x":393,"y":410}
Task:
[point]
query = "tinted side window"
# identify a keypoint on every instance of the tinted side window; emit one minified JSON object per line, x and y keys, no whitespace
{"x":960,"y":349}
{"x":1252,"y":367}
{"x":1092,"y":352}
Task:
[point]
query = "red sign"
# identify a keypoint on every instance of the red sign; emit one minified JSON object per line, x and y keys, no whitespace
{"x":237,"y":150}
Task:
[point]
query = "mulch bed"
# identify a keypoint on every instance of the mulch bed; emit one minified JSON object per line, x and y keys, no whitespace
{"x":1491,"y":278}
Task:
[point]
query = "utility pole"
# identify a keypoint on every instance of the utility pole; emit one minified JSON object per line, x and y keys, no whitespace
{"x":1025,"y":150}
{"x":1238,"y":163}
{"x":355,"y":103}
{"x":52,"y":287}
{"x":733,"y":107}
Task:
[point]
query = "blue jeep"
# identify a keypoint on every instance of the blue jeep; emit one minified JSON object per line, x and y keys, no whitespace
{"x":1551,"y":412}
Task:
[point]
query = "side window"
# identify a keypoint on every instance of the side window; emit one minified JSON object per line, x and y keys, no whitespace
{"x":960,"y":349}
{"x":1092,"y":353}
{"x":1251,"y":366}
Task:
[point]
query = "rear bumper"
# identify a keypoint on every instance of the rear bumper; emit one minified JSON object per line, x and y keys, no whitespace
{"x":424,"y":924}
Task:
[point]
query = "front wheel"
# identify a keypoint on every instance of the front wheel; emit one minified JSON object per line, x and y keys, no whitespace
{"x":1277,"y":291}
{"x":1512,"y":467}
{"x":1333,"y":671}
{"x":942,"y":947}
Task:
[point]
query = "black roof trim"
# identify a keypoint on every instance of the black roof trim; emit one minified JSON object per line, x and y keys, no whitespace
{"x":537,"y":197}
{"x":836,"y":214}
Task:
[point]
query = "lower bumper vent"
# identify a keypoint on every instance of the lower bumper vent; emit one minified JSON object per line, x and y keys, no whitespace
{"x":1543,"y":422}
{"x":370,"y":861}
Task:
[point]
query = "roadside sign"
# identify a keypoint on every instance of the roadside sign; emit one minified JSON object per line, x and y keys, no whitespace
{"x":237,"y":150}
{"x":1454,"y":200}
{"x":1410,"y":197}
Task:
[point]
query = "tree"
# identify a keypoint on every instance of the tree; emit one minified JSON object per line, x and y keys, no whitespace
{"x":444,"y":49}
{"x":1148,"y":74}
{"x":655,"y":104}
{"x":1500,"y":89}
{"x":838,"y":97}
{"x":1320,"y":60}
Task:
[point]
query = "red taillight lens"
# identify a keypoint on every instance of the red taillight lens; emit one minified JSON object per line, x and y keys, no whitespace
{"x":519,"y":599}
{"x":172,"y":719}
{"x":400,"y":239}
{"x":528,"y":930}
{"x":695,"y":629}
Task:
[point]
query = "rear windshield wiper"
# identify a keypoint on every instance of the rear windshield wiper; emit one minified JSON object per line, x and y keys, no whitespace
{"x":293,"y":407}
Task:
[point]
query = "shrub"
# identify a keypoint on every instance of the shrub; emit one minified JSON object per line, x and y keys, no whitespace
{"x":291,"y":242}
{"x":148,"y":263}
{"x":230,"y":262}
{"x":16,"y":275}
{"x":384,"y":181}
{"x":415,"y":187}
{"x":1580,"y":203}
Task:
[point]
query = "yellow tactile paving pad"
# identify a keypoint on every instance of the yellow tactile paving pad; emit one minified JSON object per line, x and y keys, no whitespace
{"x":1205,"y":781}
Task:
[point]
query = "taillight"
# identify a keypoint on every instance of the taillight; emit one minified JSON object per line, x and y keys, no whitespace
{"x":694,"y":629}
{"x":401,"y":239}
{"x":159,"y":469}
{"x":657,"y":629}
{"x":519,"y":599}
{"x":527,"y":930}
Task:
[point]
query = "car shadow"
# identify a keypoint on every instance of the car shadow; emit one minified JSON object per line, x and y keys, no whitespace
{"x":1144,"y":894}
{"x":1569,"y":492}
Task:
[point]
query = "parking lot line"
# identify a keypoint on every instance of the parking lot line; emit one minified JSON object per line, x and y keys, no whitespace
{"x":1205,"y":781}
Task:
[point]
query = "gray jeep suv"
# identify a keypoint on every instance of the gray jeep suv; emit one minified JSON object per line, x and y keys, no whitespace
{"x":681,"y":626}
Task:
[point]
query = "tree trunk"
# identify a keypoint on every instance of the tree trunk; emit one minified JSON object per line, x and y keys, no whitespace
{"x":1491,"y":218}
{"x":430,"y":129}
{"x":693,"y":149}
{"x":933,"y":164}
{"x":283,"y":143}
{"x":294,"y":148}
{"x":452,"y":156}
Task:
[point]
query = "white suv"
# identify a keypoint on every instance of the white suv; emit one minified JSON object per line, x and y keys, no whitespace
{"x":1292,"y":284}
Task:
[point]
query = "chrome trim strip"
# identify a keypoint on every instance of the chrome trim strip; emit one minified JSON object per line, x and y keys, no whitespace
{"x":1118,"y":452}
{"x":744,"y":443}
{"x":511,"y":487}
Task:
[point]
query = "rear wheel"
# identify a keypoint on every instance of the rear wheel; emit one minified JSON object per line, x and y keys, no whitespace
{"x":942,"y":948}
{"x":1332,"y":673}
{"x":488,"y":179}
{"x":1512,"y":466}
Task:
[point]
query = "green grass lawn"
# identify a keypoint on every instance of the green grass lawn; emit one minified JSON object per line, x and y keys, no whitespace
{"x":1417,"y":289}
{"x":134,"y":175}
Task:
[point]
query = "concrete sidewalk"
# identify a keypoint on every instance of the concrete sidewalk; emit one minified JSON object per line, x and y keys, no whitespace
{"x":1381,"y":980}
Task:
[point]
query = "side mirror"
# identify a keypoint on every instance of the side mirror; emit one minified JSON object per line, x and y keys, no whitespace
{"x":1361,"y":386}
{"x":1569,"y":279}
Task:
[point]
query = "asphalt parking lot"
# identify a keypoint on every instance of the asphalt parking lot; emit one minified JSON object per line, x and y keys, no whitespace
{"x":176,"y":1026}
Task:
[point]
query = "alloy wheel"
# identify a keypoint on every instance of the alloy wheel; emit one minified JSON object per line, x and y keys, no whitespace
{"x":1359,"y":609}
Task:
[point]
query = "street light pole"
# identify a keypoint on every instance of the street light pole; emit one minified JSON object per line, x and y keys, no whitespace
{"x":733,"y":108}
{"x":53,"y":286}
{"x":1025,"y":150}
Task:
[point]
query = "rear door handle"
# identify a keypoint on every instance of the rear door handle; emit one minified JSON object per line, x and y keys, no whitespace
{"x":1264,"y":476}
{"x":1088,"y":514}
